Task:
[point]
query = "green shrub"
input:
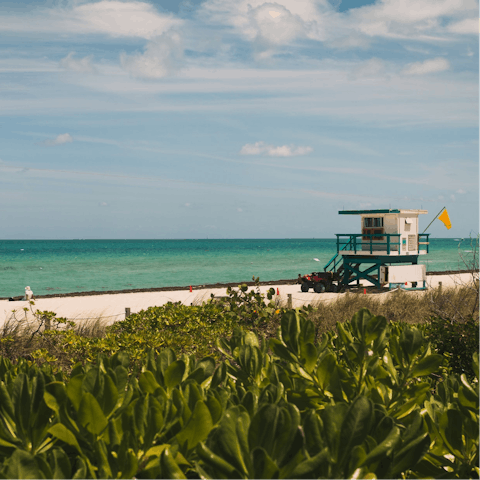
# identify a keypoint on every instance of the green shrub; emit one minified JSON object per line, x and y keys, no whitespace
{"x":456,"y":341}
{"x":359,"y":404}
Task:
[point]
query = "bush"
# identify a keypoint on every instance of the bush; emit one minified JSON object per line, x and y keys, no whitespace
{"x":359,"y":404}
{"x":456,"y":341}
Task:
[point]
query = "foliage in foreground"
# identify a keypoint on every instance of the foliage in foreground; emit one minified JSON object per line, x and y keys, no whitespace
{"x":359,"y":404}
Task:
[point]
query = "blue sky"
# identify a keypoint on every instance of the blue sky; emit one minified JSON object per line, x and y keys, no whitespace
{"x":235,"y":118}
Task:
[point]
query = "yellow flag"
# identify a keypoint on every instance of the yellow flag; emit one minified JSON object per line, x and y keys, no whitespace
{"x":445,"y":219}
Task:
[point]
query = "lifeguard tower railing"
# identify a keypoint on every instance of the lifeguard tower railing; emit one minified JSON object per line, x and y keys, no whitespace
{"x":372,"y":243}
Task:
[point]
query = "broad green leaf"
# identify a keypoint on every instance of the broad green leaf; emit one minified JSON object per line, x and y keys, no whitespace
{"x":332,"y":418}
{"x":308,"y":355}
{"x":215,"y":463}
{"x":385,"y":448}
{"x":251,"y":339}
{"x":219,"y":376}
{"x":61,"y":432}
{"x":325,"y":369}
{"x":215,"y":408}
{"x":356,"y":425}
{"x":469,"y":393}
{"x":128,"y":464}
{"x":22,"y":465}
{"x":281,"y":350}
{"x":169,"y":467}
{"x":409,"y":455}
{"x":274,"y":428}
{"x":90,"y":414}
{"x":411,"y":340}
{"x":197,"y":428}
{"x":80,"y":469}
{"x":313,"y":428}
{"x":110,"y":396}
{"x":230,"y":442}
{"x":55,"y":395}
{"x":23,"y":407}
{"x":74,"y":390}
{"x":147,"y":382}
{"x":427,"y":365}
{"x":61,"y":464}
{"x":290,"y":329}
{"x":309,"y":468}
{"x":173,"y":374}
{"x":475,"y":365}
{"x":307,"y":333}
{"x":451,"y":423}
{"x":375,"y":330}
{"x":166,"y":357}
{"x":263,"y":465}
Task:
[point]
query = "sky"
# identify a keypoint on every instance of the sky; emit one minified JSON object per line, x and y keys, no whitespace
{"x":235,"y":118}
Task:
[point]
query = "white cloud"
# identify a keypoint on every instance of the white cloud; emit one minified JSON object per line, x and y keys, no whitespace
{"x":239,"y":209}
{"x":452,"y":197}
{"x":162,"y":57}
{"x":371,"y":68}
{"x":261,"y":148}
{"x":419,"y":19}
{"x":59,"y":140}
{"x":461,"y":191}
{"x":103,"y":204}
{"x":110,"y":17}
{"x":466,"y":26}
{"x":270,"y":24}
{"x":428,"y":66}
{"x":80,"y":65}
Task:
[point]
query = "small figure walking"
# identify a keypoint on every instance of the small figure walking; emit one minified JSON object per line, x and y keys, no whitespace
{"x":29,"y":294}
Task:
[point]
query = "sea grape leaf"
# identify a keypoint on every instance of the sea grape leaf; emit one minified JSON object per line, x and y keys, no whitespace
{"x":173,"y":374}
{"x":411,"y":340}
{"x":263,"y":465}
{"x":356,"y":425}
{"x":427,"y":365}
{"x":308,"y":354}
{"x":61,"y":432}
{"x":90,"y":414}
{"x":61,"y":464}
{"x":197,"y":428}
{"x":169,"y":467}
{"x":325,"y":370}
{"x":22,"y":464}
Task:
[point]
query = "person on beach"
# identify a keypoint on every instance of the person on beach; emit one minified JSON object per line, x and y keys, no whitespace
{"x":29,"y":294}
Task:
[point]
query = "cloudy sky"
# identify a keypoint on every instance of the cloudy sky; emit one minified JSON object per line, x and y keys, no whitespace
{"x":235,"y":118}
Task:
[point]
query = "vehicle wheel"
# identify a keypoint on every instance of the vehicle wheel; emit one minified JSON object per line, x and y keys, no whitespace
{"x":304,"y":287}
{"x":334,"y":288}
{"x":319,"y":287}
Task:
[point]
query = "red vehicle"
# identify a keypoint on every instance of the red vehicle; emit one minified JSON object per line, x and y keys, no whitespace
{"x":319,"y":281}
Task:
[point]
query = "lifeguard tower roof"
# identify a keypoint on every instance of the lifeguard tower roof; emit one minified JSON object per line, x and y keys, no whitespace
{"x":384,"y":211}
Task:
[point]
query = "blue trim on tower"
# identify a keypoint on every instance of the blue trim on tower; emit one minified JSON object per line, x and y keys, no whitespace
{"x":362,"y":212}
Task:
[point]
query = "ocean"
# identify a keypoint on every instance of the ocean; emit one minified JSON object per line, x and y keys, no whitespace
{"x":67,"y":266}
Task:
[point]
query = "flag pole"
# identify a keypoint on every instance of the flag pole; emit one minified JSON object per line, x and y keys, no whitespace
{"x":444,"y":208}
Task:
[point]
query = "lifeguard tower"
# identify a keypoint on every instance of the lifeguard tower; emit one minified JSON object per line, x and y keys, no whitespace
{"x":386,"y":250}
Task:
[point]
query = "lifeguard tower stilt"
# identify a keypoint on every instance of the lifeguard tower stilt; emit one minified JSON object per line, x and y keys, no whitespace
{"x":386,"y":250}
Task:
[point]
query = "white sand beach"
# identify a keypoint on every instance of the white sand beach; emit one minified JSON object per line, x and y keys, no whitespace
{"x":111,"y":307}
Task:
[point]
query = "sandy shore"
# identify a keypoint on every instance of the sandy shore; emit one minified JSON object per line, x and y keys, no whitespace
{"x":111,"y":307}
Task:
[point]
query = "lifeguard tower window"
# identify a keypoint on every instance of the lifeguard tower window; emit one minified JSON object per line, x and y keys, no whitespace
{"x":373,"y":222}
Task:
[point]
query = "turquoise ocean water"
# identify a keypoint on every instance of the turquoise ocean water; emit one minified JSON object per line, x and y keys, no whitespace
{"x":66,"y":266}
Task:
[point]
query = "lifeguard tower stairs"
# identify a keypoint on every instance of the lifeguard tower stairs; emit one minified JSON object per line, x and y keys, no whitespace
{"x":386,"y":250}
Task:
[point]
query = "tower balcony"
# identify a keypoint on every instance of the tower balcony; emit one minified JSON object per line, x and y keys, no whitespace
{"x":393,"y":244}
